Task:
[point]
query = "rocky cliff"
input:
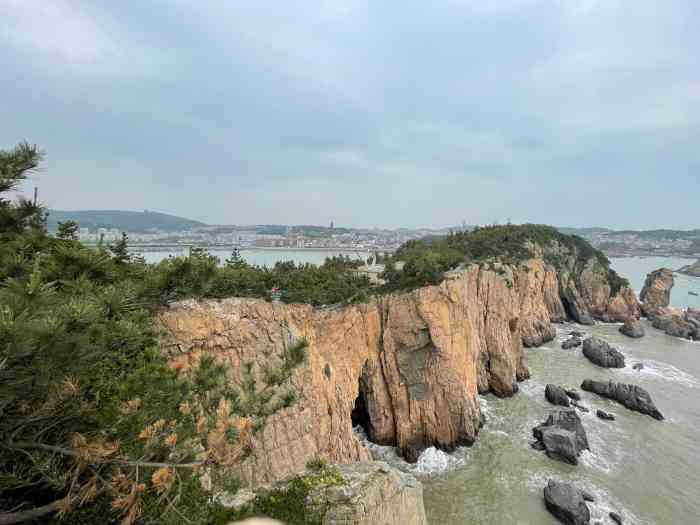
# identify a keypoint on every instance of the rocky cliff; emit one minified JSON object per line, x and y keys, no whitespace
{"x":405,"y":366}
{"x":692,"y":269}
{"x":656,"y":293}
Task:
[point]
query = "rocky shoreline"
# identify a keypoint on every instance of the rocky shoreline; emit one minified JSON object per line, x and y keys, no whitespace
{"x":386,"y":365}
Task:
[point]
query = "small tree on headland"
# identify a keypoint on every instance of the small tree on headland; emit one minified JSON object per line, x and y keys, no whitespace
{"x":236,"y":260}
{"x":67,"y":231}
{"x":120,"y":250}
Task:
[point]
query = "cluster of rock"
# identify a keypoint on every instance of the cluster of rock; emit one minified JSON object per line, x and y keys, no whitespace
{"x":678,"y":323}
{"x":575,"y":340}
{"x":656,"y":298}
{"x":599,"y":352}
{"x":631,"y":396}
{"x":570,"y":505}
{"x":561,"y":436}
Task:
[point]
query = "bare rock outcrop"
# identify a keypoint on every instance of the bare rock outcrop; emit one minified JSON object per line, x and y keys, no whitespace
{"x":413,"y":363}
{"x":566,"y":503}
{"x":632,"y":328}
{"x":562,"y":436}
{"x":366,"y":493}
{"x":656,"y":292}
{"x":678,"y":323}
{"x":602,"y":354}
{"x":407,"y":366}
{"x":631,"y":396}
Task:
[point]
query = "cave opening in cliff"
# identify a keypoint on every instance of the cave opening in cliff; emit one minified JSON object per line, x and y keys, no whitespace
{"x":360,"y":414}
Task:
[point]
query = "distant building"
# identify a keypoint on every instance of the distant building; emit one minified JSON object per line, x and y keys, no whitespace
{"x":373,"y":271}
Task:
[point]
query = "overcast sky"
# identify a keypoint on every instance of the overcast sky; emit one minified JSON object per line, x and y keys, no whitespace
{"x":368,"y":113}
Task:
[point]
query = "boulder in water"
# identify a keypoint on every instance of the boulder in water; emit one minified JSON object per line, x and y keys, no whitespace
{"x":556,"y":395}
{"x":565,"y":502}
{"x":632,"y":328}
{"x":576,"y":333}
{"x":631,"y":396}
{"x":638,"y":366}
{"x":602,"y":414}
{"x":602,"y":354}
{"x":562,"y":435}
{"x":571,"y":342}
{"x":616,"y":518}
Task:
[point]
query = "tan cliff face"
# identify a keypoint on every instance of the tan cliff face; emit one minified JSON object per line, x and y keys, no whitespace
{"x":410,"y":364}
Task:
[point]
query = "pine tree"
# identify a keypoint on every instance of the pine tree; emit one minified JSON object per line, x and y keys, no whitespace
{"x":236,"y":260}
{"x":120,"y":250}
{"x":68,"y":231}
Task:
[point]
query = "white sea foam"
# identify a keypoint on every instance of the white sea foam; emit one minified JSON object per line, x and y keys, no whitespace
{"x":431,"y":461}
{"x":657,"y":369}
{"x":602,"y":506}
{"x":435,"y":461}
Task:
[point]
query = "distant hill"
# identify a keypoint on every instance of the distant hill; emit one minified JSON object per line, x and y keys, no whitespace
{"x":583,"y":231}
{"x":133,"y":221}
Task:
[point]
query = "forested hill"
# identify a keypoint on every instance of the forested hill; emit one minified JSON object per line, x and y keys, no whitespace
{"x":132,"y":221}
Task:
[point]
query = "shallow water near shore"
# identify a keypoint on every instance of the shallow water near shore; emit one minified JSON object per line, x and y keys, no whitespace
{"x":647,"y":471}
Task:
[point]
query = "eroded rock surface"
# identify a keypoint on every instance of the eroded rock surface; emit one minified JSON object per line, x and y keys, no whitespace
{"x":411,"y":365}
{"x":562,"y":436}
{"x":566,"y":503}
{"x":656,"y":292}
{"x":602,"y":354}
{"x":556,"y":395}
{"x":632,"y":328}
{"x":369,"y":493}
{"x":631,"y":396}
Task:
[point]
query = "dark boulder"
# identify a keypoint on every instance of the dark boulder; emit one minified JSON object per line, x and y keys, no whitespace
{"x":562,"y":435}
{"x":602,"y":354}
{"x":573,"y":394}
{"x":631,"y":396}
{"x":616,"y":518}
{"x":602,"y":414}
{"x":587,"y":496}
{"x":632,"y":328}
{"x":571,"y":342}
{"x":556,"y":395}
{"x":565,"y":502}
{"x":538,"y":445}
{"x":638,"y":366}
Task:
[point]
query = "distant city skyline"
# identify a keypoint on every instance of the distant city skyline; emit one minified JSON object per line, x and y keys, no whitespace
{"x":389,"y":114}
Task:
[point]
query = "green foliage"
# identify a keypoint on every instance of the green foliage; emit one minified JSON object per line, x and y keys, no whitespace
{"x":67,"y":231}
{"x":93,"y":421}
{"x":426,"y":260}
{"x":291,"y":503}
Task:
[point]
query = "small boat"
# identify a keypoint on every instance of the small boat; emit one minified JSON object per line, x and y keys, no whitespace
{"x":693,"y":293}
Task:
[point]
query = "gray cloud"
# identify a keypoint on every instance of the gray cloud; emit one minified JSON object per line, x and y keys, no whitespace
{"x":576,"y":112}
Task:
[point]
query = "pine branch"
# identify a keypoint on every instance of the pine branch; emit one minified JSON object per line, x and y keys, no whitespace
{"x":9,"y":518}
{"x":102,"y":461}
